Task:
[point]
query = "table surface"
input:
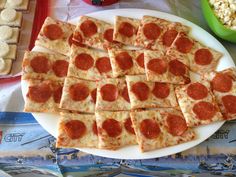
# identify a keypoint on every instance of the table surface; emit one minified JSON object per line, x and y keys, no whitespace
{"x":28,"y":150}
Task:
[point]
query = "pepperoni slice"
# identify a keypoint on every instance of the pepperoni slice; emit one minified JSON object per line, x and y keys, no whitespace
{"x":177,"y":68}
{"x":127,"y":29}
{"x":229,"y":102}
{"x":72,"y":40}
{"x":109,"y":92}
{"x":197,"y":91}
{"x":124,"y":60}
{"x":60,"y":68}
{"x":150,"y":128}
{"x":140,"y":90}
{"x":140,"y":60}
{"x":95,"y":128}
{"x":125,"y":94}
{"x":176,"y":124}
{"x":112,"y":127}
{"x":78,"y":37}
{"x":78,"y":92}
{"x":203,"y":57}
{"x":183,"y":44}
{"x":161,"y":90}
{"x":75,"y":129}
{"x":89,"y":28}
{"x":204,"y":110}
{"x":84,"y":61}
{"x":39,"y":93}
{"x":108,"y":35}
{"x":222,"y":82}
{"x":151,"y":31}
{"x":103,"y":64}
{"x":169,"y":37}
{"x":94,"y":95}
{"x":57,"y":94}
{"x":40,"y":64}
{"x":53,"y":31}
{"x":129,"y":126}
{"x":157,"y":65}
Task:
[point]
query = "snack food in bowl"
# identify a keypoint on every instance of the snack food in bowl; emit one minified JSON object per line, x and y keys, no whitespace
{"x":220,"y":19}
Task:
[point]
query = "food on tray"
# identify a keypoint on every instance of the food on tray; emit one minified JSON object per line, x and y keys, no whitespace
{"x":198,"y":103}
{"x":146,"y":94}
{"x":17,"y":4}
{"x":5,"y":66}
{"x":10,"y":17}
{"x":119,"y":97}
{"x":95,"y":33}
{"x":7,"y":51}
{"x":89,"y":64}
{"x":56,"y":36}
{"x":223,"y":84}
{"x":9,"y":34}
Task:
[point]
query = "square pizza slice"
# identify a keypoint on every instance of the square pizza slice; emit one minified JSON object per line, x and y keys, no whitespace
{"x":112,"y":95}
{"x":146,"y":94}
{"x":125,"y":30}
{"x":126,"y":62}
{"x":56,"y":36}
{"x":77,"y":131}
{"x":39,"y":65}
{"x":198,"y":103}
{"x":115,"y":129}
{"x":79,"y":95}
{"x":223,"y":85}
{"x":156,"y":33}
{"x":43,"y":96}
{"x":89,"y":64}
{"x":203,"y":59}
{"x":95,"y":33}
{"x":157,"y":129}
{"x":163,"y":68}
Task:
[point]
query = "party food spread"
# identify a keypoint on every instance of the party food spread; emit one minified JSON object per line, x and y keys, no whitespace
{"x":109,"y":96}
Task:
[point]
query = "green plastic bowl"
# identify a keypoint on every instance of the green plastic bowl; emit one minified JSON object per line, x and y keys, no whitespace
{"x":215,"y":24}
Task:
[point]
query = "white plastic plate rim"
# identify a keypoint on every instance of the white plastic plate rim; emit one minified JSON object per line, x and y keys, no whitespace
{"x":50,"y":121}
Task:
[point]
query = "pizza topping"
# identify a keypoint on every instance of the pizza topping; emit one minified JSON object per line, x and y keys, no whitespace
{"x":204,"y":110}
{"x":78,"y":37}
{"x":75,"y":129}
{"x":108,"y":35}
{"x":78,"y":92}
{"x":60,"y":68}
{"x":84,"y":61}
{"x":39,"y":93}
{"x":124,"y":60}
{"x":127,"y":29}
{"x":109,"y":92}
{"x":125,"y":94}
{"x":197,"y":91}
{"x":94,"y":95}
{"x":177,"y":68}
{"x":72,"y":40}
{"x":140,"y":90}
{"x":222,"y":82}
{"x":112,"y":127}
{"x":229,"y":102}
{"x":176,"y":125}
{"x":161,"y":90}
{"x":157,"y":65}
{"x":183,"y":44}
{"x":103,"y":64}
{"x":203,"y":57}
{"x":89,"y":28}
{"x":53,"y":31}
{"x":169,"y":37}
{"x":57,"y":94}
{"x":129,"y":126}
{"x":150,"y":128}
{"x":95,"y":128}
{"x":151,"y":31}
{"x":40,"y":64}
{"x":140,"y":60}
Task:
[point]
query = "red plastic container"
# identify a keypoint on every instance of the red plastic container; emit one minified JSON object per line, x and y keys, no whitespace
{"x":100,"y":2}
